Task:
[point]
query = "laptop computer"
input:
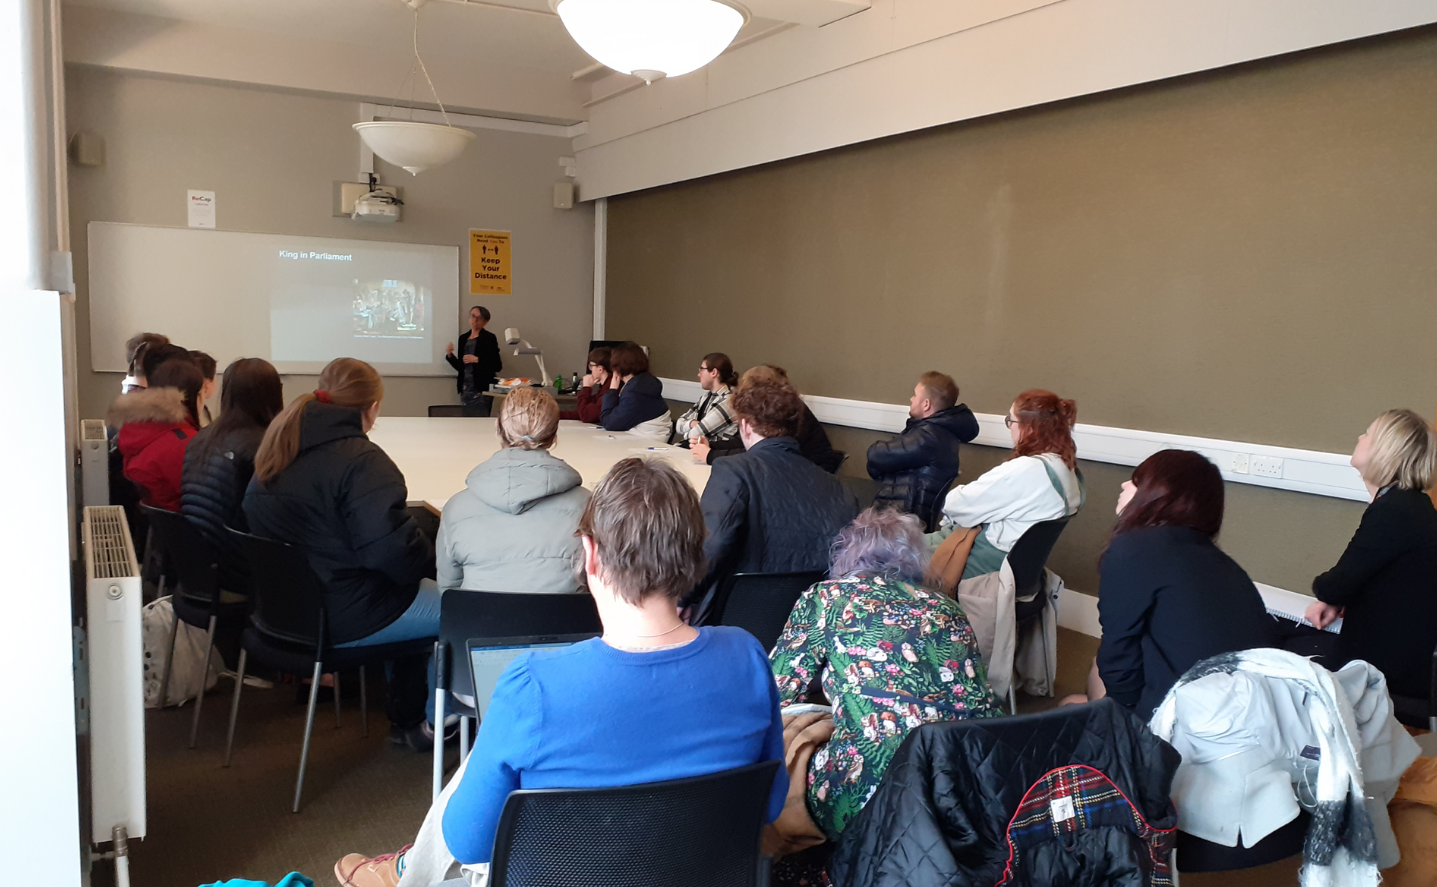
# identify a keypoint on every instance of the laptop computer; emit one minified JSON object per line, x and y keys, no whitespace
{"x":488,"y":657}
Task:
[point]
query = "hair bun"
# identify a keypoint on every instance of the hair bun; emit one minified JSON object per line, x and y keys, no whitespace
{"x":1068,"y":409}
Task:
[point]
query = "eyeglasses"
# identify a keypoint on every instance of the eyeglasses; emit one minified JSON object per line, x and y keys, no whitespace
{"x":1009,"y":421}
{"x":705,"y":370}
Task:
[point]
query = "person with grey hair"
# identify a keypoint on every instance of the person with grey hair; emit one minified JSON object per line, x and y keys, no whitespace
{"x":892,"y":655}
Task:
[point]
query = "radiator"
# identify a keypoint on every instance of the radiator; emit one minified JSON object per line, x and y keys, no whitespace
{"x":116,"y":672}
{"x":94,"y":463}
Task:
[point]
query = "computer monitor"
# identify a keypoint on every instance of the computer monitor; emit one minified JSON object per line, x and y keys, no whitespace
{"x":488,"y":657}
{"x":604,"y":343}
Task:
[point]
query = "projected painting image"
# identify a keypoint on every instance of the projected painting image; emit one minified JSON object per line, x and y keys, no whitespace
{"x":390,"y":309}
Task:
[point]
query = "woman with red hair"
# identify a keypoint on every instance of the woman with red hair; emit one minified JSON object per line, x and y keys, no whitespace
{"x":1168,"y":596}
{"x":1038,"y":482}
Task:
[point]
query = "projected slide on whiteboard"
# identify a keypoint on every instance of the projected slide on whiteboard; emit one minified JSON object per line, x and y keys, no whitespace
{"x":299,"y":302}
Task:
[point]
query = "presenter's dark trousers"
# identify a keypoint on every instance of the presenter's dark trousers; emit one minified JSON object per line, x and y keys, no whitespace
{"x":477,"y":405}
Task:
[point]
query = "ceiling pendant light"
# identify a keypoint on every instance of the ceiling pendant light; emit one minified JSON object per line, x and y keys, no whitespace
{"x":652,"y":39}
{"x":407,"y":143}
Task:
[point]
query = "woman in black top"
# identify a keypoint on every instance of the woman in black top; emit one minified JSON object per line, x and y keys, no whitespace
{"x":1169,"y":597}
{"x":219,"y":462}
{"x":1385,"y":584}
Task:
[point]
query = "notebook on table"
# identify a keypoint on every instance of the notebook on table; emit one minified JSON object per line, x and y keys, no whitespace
{"x":488,"y":657}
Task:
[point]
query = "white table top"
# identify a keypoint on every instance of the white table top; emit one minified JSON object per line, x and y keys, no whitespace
{"x":436,"y":455}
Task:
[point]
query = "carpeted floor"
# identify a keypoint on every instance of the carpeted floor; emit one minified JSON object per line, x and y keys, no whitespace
{"x":208,"y":823}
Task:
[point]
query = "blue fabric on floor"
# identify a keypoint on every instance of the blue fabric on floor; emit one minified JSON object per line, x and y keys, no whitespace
{"x":293,"y":879}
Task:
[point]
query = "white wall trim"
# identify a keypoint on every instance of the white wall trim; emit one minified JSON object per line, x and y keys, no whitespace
{"x":1301,"y":471}
{"x":601,"y":264}
{"x":1079,"y":612}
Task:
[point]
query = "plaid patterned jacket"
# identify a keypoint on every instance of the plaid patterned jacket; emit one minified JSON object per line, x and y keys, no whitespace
{"x":1070,"y":800}
{"x":713,"y":414}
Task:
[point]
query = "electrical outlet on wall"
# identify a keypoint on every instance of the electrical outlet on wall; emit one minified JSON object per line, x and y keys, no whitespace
{"x":1266,"y":466}
{"x":1237,"y":463}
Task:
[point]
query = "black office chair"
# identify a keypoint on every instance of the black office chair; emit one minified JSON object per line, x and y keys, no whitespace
{"x":196,"y":597}
{"x":446,"y":410}
{"x":1029,"y":560}
{"x":464,"y":615}
{"x":697,"y":832}
{"x":289,"y":632}
{"x":1415,"y":711}
{"x":759,"y":603}
{"x":1196,"y":855}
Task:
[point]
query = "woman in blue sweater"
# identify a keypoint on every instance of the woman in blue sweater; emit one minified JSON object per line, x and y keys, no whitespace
{"x":635,"y":397}
{"x":588,"y":716}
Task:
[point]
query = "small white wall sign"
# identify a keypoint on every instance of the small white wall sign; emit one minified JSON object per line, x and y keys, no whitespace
{"x":201,"y":206}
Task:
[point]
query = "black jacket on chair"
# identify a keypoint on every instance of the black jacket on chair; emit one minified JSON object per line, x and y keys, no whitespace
{"x":767,"y":510}
{"x":942,"y":813}
{"x":343,"y":501}
{"x":216,"y":472}
{"x":489,"y":365}
{"x":915,"y":469}
{"x":1387,"y":580}
{"x":1169,"y":598}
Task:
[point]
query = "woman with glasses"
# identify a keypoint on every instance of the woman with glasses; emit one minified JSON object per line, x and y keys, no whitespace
{"x":1038,"y":482}
{"x":591,"y":391}
{"x":709,"y":420}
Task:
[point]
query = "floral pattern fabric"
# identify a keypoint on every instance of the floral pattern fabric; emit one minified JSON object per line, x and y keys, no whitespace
{"x":891,"y":656}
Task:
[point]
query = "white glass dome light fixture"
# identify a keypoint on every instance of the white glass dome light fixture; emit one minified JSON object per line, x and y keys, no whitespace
{"x":409,"y":144}
{"x":652,"y":39}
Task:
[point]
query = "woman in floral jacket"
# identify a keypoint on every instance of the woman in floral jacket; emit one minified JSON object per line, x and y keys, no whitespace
{"x":892,"y":656}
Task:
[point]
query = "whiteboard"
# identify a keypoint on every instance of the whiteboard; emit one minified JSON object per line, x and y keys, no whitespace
{"x":298,"y":302}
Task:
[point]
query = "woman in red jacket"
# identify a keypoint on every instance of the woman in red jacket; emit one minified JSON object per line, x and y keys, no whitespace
{"x":156,"y":424}
{"x":591,"y":392}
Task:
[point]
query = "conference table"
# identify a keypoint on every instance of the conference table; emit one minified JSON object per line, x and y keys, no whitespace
{"x":436,"y":455}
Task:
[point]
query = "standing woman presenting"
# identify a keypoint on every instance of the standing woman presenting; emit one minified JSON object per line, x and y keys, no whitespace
{"x":1385,"y":584}
{"x":478,"y":362}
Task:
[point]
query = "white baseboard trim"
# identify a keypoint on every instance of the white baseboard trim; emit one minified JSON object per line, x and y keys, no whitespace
{"x":1284,"y":468}
{"x":1079,"y":612}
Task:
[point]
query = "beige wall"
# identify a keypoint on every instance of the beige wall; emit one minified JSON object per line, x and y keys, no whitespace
{"x":1244,"y":255}
{"x":270,"y":158}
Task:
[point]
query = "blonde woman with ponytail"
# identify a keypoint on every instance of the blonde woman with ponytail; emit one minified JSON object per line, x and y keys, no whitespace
{"x":321,"y":485}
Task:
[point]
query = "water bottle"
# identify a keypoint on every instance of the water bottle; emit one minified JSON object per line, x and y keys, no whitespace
{"x":574,"y":385}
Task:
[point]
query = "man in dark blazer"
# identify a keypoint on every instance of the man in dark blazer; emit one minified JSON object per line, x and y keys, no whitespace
{"x":478,"y":362}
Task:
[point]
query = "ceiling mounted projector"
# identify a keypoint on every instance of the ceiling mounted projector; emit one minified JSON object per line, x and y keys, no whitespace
{"x":652,"y":39}
{"x":378,"y":205}
{"x":410,"y":145}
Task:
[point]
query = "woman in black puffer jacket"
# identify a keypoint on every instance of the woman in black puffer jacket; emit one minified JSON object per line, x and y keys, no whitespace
{"x":322,"y":486}
{"x":219,"y":462}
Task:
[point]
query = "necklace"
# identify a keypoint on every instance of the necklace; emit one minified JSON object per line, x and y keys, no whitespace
{"x":660,"y":634}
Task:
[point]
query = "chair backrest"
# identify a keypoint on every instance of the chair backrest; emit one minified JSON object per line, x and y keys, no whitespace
{"x":500,"y":614}
{"x":759,"y":603}
{"x":1030,"y":555}
{"x":288,"y":596}
{"x":697,"y":832}
{"x":443,"y":410}
{"x":1419,"y":712}
{"x":193,"y":559}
